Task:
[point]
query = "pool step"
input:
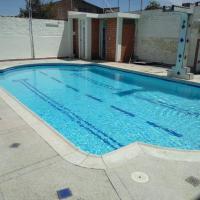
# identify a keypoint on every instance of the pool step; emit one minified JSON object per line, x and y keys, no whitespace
{"x":184,"y":73}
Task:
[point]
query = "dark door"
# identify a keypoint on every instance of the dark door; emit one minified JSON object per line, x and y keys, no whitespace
{"x":103,"y":43}
{"x":196,"y":67}
{"x":75,"y":38}
{"x":128,"y":34}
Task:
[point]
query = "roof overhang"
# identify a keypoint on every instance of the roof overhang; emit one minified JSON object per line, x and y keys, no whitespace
{"x":81,"y":15}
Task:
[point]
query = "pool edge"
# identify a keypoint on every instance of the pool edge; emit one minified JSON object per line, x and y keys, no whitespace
{"x":80,"y":158}
{"x":108,"y":66}
{"x":62,"y":146}
{"x":151,"y":74}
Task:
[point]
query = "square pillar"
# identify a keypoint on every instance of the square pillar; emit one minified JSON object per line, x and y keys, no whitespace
{"x":118,"y":39}
{"x":79,"y":38}
{"x":70,"y":37}
{"x":88,"y":38}
{"x":181,"y":70}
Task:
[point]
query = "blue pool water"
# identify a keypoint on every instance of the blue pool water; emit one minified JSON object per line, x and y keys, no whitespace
{"x":100,"y":109}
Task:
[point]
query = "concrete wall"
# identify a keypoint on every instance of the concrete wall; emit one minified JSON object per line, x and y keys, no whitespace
{"x":14,"y":38}
{"x":50,"y":38}
{"x":157,"y":36}
{"x":195,"y":35}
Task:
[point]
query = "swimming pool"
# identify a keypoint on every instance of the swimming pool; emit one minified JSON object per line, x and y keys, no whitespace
{"x":100,"y":109}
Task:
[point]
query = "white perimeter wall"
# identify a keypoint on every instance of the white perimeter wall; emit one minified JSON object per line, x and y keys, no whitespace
{"x":50,"y":38}
{"x":195,"y":34}
{"x":14,"y":38}
{"x":157,"y":35}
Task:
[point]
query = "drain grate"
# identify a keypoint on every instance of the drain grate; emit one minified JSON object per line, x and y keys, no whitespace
{"x":15,"y":145}
{"x":64,"y":193}
{"x":194,"y":181}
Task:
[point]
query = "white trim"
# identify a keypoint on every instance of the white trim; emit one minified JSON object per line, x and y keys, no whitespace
{"x":79,"y":39}
{"x":184,"y":10}
{"x":118,"y":39}
{"x":101,"y":26}
{"x":79,"y":15}
{"x":88,"y":38}
{"x":70,"y":37}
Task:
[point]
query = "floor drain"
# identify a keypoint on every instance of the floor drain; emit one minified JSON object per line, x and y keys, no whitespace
{"x":140,"y":177}
{"x":64,"y":193}
{"x":194,"y":181}
{"x":15,"y":145}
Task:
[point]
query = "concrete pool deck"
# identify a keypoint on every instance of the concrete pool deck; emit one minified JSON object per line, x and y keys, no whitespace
{"x":36,"y":162}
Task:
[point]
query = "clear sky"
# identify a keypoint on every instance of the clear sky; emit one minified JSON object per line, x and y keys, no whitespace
{"x":11,"y":7}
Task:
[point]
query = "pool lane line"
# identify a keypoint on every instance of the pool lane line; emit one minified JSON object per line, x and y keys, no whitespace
{"x":160,"y":103}
{"x":123,"y":111}
{"x":155,"y":125}
{"x":94,"y":98}
{"x":59,"y":81}
{"x":171,"y":132}
{"x":164,"y":104}
{"x":66,"y":85}
{"x":43,"y":73}
{"x":74,"y":89}
{"x":55,"y":79}
{"x":61,"y":107}
{"x":75,"y":120}
{"x":172,"y":107}
{"x":94,"y":82}
{"x":167,"y":130}
{"x":90,"y":80}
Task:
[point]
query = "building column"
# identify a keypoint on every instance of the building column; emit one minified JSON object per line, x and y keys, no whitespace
{"x":70,"y":37}
{"x":181,"y":70}
{"x":119,"y":39}
{"x":88,"y":38}
{"x":79,"y":38}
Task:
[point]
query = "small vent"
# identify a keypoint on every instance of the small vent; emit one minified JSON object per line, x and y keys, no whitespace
{"x":194,"y":181}
{"x":15,"y":145}
{"x":52,"y":25}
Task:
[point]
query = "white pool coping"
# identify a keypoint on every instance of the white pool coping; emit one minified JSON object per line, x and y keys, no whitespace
{"x":69,"y":152}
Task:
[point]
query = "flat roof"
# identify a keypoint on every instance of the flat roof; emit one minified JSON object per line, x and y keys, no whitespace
{"x":75,"y":15}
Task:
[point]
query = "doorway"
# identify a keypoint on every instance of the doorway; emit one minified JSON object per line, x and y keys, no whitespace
{"x":103,"y":39}
{"x":128,"y":35}
{"x":196,"y":67}
{"x":75,"y":38}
